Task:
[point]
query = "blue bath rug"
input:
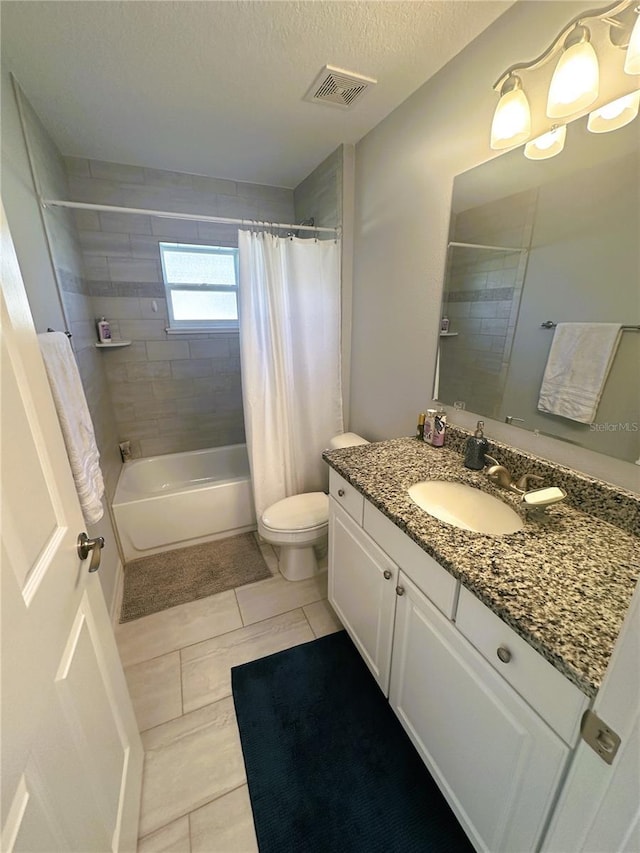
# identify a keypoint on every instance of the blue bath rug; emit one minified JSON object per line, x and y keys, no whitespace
{"x":330,"y":769}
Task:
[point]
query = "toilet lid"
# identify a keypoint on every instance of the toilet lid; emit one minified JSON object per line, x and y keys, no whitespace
{"x":299,"y":512}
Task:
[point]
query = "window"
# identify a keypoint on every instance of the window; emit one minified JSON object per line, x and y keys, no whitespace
{"x":201,"y":283}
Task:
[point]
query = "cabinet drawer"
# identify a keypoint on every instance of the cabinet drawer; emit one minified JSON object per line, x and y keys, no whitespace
{"x":556,"y":699}
{"x":346,"y":496}
{"x":423,"y":570}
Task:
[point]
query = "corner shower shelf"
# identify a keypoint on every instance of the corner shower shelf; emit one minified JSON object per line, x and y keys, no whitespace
{"x":114,"y":345}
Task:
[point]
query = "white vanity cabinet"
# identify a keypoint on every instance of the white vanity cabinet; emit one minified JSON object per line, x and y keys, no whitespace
{"x":362,"y":584}
{"x":495,"y":734}
{"x":494,"y":758}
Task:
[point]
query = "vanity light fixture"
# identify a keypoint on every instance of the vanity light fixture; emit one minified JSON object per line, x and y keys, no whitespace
{"x":576,"y":81}
{"x":589,"y":55}
{"x":547,"y":145}
{"x":632,"y":61}
{"x":615,"y":114}
{"x":512,"y":118}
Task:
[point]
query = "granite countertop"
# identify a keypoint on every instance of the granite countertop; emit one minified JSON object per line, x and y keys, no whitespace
{"x":564,"y":585}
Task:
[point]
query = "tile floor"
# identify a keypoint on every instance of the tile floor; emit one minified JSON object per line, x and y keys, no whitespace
{"x":178,"y":667}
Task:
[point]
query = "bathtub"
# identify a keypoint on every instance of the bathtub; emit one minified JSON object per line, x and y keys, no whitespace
{"x":182,"y":499}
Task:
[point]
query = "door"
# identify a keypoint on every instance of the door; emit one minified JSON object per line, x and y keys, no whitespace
{"x":71,"y":753}
{"x":599,"y":809}
{"x":496,"y":761}
{"x":362,"y":581}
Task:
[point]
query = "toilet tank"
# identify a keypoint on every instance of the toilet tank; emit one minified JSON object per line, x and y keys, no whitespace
{"x":346,"y":439}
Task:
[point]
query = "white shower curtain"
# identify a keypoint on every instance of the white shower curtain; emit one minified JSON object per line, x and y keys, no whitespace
{"x":290,"y":351}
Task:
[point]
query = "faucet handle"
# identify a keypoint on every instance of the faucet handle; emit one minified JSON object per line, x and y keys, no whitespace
{"x":491,"y":460}
{"x":523,"y":482}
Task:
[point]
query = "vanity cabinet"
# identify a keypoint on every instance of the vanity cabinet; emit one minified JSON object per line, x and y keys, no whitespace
{"x":495,"y":760}
{"x":493,"y":721}
{"x":362,"y":585}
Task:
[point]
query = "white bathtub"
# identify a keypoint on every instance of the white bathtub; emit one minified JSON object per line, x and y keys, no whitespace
{"x":181,"y":499}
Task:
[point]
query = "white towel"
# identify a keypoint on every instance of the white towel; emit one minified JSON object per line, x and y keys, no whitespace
{"x":75,"y":421}
{"x":579,"y":361}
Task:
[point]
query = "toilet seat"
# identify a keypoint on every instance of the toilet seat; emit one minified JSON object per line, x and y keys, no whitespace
{"x":298,"y":514}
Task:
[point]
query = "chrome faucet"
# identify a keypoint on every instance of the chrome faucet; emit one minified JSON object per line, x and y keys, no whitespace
{"x":502,"y":477}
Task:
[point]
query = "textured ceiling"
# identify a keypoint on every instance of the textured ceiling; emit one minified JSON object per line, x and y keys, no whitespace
{"x":216,"y":88}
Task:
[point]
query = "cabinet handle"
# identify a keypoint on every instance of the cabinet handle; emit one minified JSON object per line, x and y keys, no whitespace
{"x":387,"y":574}
{"x":504,"y":654}
{"x":399,"y":590}
{"x":340,"y":493}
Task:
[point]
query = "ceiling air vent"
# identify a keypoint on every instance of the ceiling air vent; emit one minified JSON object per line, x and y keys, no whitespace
{"x":338,"y":88}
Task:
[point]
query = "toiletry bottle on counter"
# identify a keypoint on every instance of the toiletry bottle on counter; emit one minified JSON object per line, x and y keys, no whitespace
{"x":439,"y":428}
{"x":104,"y":331}
{"x":476,"y":447}
{"x":435,"y":426}
{"x":420,"y":430}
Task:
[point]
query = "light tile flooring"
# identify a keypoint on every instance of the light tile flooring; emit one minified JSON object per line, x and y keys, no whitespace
{"x":178,"y":667}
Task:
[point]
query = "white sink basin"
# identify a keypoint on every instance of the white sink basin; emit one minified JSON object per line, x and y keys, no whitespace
{"x":465,"y":507}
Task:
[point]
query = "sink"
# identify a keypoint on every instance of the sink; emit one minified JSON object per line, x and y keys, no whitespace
{"x":465,"y":507}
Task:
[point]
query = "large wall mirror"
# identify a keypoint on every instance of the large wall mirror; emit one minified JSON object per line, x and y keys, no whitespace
{"x":535,"y":243}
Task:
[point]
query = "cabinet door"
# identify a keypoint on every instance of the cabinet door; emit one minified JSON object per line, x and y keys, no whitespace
{"x":362,"y":583}
{"x":494,"y":758}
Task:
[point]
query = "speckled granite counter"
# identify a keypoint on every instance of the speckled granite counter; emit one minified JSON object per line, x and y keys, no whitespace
{"x":564,"y":585}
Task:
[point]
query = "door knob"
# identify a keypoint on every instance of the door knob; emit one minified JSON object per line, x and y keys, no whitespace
{"x":387,"y":574}
{"x":94,"y":547}
{"x":399,"y":590}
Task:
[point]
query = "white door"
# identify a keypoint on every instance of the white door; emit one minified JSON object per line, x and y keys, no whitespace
{"x":362,"y":582}
{"x":71,"y":753}
{"x":599,"y":809}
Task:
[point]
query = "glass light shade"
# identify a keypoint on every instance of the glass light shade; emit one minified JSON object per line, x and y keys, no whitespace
{"x":547,"y":145}
{"x":511,"y":120}
{"x":575,"y":82}
{"x":615,"y":114}
{"x":632,"y":60}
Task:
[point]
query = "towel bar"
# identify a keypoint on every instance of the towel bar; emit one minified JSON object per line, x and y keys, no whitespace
{"x":549,"y":324}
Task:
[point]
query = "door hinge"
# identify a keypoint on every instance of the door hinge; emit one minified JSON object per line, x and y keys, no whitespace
{"x":599,"y":736}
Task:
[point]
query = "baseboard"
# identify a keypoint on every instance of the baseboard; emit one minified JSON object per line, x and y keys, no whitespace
{"x":116,"y":604}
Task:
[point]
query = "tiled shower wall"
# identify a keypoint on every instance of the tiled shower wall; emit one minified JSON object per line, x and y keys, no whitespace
{"x":319,"y":196}
{"x":482,"y":298}
{"x":169,"y":393}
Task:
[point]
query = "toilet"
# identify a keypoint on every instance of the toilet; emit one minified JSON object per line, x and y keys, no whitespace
{"x":299,"y":524}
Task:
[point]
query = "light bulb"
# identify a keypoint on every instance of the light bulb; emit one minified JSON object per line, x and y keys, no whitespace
{"x":575,"y":82}
{"x":547,"y":145}
{"x":632,"y":60}
{"x":512,"y":118}
{"x":614,"y":114}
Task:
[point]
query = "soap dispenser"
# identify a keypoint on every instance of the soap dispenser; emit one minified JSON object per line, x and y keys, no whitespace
{"x":477,"y":446}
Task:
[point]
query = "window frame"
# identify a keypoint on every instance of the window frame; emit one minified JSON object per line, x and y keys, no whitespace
{"x":199,"y":325}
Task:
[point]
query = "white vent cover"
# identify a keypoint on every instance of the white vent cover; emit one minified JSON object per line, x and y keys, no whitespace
{"x":338,"y":88}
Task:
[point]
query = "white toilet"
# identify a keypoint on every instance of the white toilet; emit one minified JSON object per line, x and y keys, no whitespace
{"x":299,"y":524}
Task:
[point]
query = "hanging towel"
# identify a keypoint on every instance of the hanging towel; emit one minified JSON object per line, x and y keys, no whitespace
{"x":75,"y":421}
{"x":579,"y":361}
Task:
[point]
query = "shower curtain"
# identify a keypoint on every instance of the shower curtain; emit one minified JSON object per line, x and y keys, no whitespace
{"x":290,"y":354}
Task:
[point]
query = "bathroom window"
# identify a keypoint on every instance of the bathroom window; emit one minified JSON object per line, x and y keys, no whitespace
{"x":201,"y":283}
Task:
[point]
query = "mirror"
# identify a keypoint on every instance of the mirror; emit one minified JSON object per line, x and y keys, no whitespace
{"x":539,"y":242}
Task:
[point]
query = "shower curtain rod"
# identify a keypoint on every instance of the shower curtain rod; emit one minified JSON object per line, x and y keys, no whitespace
{"x":166,"y":214}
